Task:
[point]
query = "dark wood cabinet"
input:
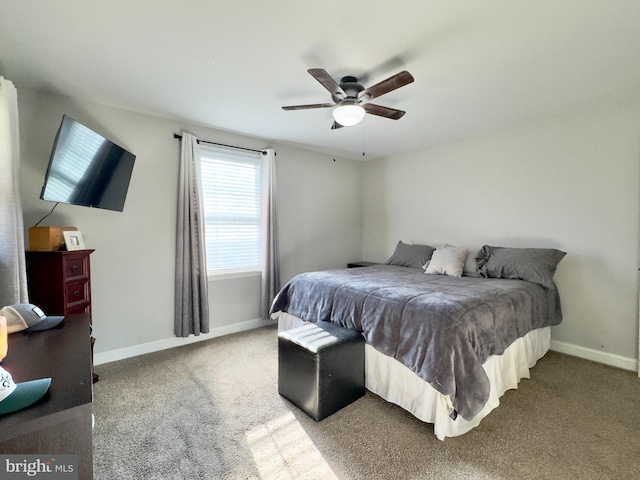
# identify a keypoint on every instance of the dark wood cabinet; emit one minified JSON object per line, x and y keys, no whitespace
{"x":60,"y":281}
{"x":361,"y":264}
{"x":61,"y":421}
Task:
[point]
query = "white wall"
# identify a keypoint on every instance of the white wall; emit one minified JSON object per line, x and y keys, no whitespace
{"x":320,"y":207}
{"x":569,"y":182}
{"x":133,"y":264}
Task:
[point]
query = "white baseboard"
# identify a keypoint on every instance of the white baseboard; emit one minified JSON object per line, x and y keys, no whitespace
{"x":595,"y":355}
{"x":165,"y":343}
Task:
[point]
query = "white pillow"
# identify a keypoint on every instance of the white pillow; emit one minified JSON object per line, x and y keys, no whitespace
{"x":447,"y":260}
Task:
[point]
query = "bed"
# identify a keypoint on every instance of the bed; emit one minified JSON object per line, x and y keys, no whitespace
{"x":447,"y":331}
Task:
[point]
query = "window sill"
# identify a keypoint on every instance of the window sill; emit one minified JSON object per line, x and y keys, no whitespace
{"x":232,"y":275}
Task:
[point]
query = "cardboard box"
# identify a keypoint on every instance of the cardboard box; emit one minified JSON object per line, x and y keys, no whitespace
{"x":47,"y":238}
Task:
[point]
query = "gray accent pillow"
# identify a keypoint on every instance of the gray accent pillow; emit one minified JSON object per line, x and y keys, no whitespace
{"x":536,"y":265}
{"x":407,"y":255}
{"x":470,"y":263}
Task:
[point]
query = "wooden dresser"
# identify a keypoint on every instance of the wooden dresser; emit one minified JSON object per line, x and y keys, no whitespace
{"x":60,"y":281}
{"x":60,"y":422}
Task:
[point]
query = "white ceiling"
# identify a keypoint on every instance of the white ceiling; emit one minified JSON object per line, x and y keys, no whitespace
{"x":478,"y":64}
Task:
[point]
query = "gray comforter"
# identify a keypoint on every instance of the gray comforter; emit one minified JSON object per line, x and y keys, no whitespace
{"x":442,"y":328}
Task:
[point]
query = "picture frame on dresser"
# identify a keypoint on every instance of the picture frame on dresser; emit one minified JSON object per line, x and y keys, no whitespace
{"x":73,"y":240}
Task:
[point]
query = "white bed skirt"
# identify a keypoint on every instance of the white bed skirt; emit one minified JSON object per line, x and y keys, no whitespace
{"x":394,"y":382}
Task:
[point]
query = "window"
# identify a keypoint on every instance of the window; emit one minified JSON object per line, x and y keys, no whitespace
{"x":231,"y":194}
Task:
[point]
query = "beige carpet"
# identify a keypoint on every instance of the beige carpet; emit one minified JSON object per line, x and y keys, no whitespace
{"x":211,"y":411}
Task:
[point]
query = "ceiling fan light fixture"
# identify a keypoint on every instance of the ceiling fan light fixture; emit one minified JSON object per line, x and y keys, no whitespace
{"x":348,"y":114}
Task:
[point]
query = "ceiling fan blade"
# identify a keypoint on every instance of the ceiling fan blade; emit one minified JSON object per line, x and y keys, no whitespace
{"x":392,"y":83}
{"x":381,"y":111}
{"x":327,"y":82}
{"x":335,"y":125}
{"x":313,"y":105}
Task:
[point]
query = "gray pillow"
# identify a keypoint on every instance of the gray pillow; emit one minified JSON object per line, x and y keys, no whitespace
{"x":410,"y":255}
{"x":537,"y":265}
{"x":470,"y":262}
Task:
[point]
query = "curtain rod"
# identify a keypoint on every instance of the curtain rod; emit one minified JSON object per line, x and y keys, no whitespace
{"x":179,"y":137}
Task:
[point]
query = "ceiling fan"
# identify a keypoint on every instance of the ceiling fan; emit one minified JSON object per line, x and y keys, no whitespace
{"x":351,"y":100}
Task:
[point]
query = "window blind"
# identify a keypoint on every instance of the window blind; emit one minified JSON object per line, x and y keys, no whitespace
{"x":231,"y":194}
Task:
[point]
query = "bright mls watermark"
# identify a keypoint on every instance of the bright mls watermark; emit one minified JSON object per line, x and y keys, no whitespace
{"x":51,"y":467}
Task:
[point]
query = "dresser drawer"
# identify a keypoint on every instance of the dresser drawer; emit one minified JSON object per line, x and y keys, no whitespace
{"x":60,"y":281}
{"x":77,"y":294}
{"x":76,"y":267}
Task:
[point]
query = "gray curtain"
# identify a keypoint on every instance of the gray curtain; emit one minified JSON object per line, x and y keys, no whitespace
{"x":13,"y":276}
{"x":191,"y":301}
{"x":270,"y":252}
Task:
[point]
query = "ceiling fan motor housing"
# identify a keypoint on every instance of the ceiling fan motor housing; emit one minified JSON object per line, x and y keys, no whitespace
{"x":350,"y":86}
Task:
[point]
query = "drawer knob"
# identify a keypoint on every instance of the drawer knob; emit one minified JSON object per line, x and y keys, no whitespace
{"x":74,"y":269}
{"x":76,"y":293}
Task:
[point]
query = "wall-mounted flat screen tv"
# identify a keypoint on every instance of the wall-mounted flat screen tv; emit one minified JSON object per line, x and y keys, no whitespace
{"x":87,"y":169}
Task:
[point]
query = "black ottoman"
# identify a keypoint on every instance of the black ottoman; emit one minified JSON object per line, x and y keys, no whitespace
{"x":320,"y":367}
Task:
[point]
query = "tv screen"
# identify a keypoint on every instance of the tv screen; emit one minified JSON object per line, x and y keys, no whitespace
{"x":87,"y":169}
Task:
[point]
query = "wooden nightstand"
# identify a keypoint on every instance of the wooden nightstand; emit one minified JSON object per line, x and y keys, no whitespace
{"x":361,"y":264}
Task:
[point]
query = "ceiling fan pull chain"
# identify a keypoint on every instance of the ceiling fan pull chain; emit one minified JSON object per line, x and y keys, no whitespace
{"x":363,"y":125}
